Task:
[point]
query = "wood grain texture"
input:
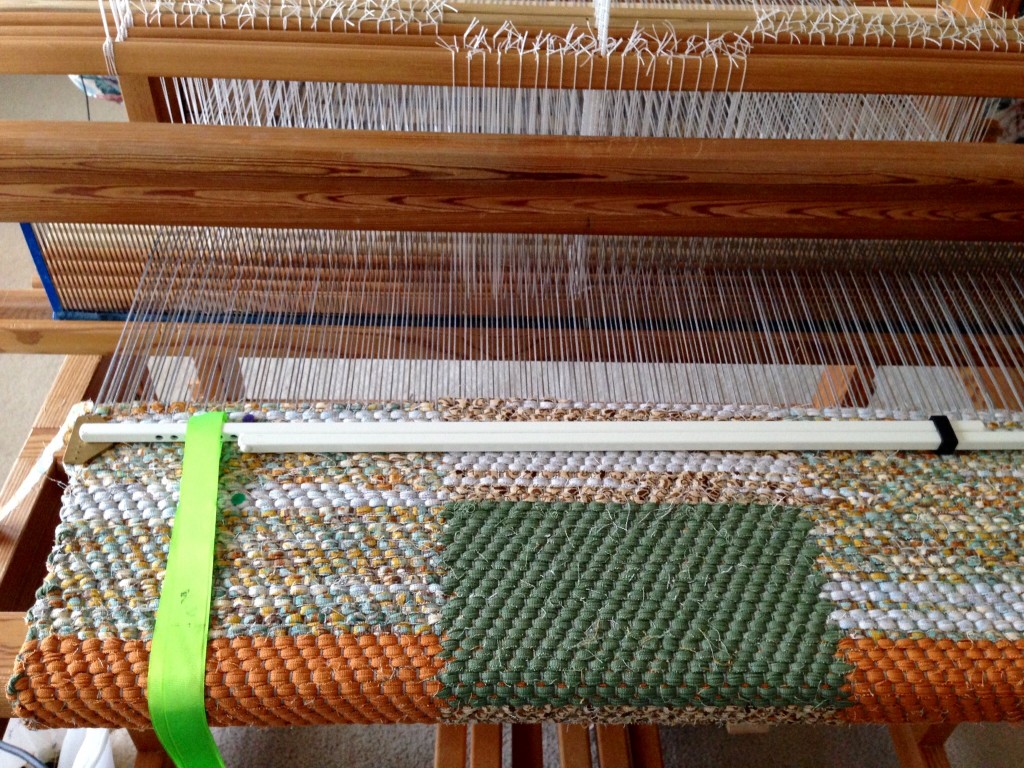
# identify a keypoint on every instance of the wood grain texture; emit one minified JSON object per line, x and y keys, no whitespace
{"x":50,"y":54}
{"x":26,"y":327}
{"x":150,"y":752}
{"x":153,"y":760}
{"x":911,"y":753}
{"x":997,"y":387}
{"x":26,"y":535}
{"x":574,"y":746}
{"x":12,"y":635}
{"x":527,"y":745}
{"x":218,"y":377}
{"x":645,"y":746}
{"x":140,"y":99}
{"x":456,"y":15}
{"x":484,"y":745}
{"x":450,"y":746}
{"x":770,"y":66}
{"x":174,"y":174}
{"x":976,"y":8}
{"x":933,"y":734}
{"x":424,"y":343}
{"x":844,"y":386}
{"x":613,"y":746}
{"x":1007,"y":8}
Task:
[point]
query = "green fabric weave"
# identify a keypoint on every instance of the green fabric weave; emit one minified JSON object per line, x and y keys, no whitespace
{"x":635,"y":605}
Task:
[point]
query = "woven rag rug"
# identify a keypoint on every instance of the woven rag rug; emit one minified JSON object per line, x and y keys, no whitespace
{"x":604,"y":587}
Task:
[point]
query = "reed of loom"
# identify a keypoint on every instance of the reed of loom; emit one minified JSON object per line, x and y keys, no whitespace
{"x":237,"y":176}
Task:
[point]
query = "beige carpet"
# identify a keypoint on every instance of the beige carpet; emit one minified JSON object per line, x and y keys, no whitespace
{"x":23,"y":384}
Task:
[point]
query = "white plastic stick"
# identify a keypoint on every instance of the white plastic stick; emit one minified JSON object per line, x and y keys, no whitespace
{"x":532,"y":436}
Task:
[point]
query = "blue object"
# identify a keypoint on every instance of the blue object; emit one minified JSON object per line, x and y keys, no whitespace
{"x":42,"y":270}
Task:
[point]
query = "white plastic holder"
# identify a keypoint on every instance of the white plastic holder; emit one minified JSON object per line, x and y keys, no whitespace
{"x":538,"y":436}
{"x":74,"y":748}
{"x":87,"y":748}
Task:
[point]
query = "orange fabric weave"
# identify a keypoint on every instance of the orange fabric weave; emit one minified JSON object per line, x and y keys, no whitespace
{"x":306,"y":680}
{"x":934,"y":680}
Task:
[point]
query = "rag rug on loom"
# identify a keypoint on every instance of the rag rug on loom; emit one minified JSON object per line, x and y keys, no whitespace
{"x":663,"y":587}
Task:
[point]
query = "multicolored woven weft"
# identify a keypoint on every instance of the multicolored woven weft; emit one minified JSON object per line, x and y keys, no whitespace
{"x":615,"y":587}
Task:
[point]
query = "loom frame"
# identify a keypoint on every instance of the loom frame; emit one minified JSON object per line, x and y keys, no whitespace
{"x":50,"y":170}
{"x":295,"y":177}
{"x":24,"y":543}
{"x":61,"y":37}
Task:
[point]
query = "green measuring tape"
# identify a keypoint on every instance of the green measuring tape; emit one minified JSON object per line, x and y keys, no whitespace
{"x":177,"y":661}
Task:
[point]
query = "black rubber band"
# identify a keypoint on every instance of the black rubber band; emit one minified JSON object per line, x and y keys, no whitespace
{"x":948,"y":440}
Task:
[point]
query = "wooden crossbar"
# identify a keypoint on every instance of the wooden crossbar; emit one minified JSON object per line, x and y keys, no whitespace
{"x":234,"y":176}
{"x":43,"y":39}
{"x":937,"y":72}
{"x":27,"y":326}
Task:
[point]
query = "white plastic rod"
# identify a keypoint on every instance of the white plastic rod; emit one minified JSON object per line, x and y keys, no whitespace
{"x":533,"y":436}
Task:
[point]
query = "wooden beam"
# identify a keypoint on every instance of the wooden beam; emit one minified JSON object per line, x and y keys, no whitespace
{"x":843,"y":386}
{"x":153,"y":760}
{"x":140,"y":96}
{"x":52,"y":55}
{"x":485,"y":745}
{"x":980,"y":8}
{"x":574,"y":746}
{"x":26,"y":535}
{"x":527,"y":745}
{"x":769,"y":67}
{"x":13,"y":630}
{"x":27,"y":327}
{"x":994,"y":387}
{"x":450,"y":746}
{"x":150,"y":753}
{"x":645,"y":746}
{"x":418,"y":60}
{"x":915,"y":749}
{"x":934,"y":734}
{"x":456,"y":16}
{"x":218,"y":377}
{"x":613,"y":746}
{"x":234,"y":176}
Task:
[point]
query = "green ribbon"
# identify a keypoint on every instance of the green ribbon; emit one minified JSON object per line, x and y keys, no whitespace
{"x":177,"y":662}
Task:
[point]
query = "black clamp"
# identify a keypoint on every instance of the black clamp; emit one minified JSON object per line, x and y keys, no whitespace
{"x":948,"y":440}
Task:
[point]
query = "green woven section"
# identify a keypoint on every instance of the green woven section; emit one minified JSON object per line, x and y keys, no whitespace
{"x":635,"y":605}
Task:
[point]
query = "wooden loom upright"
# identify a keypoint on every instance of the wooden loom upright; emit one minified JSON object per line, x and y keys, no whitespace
{"x":152,"y":173}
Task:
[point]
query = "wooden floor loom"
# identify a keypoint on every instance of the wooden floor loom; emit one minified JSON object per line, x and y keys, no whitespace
{"x":150,"y":173}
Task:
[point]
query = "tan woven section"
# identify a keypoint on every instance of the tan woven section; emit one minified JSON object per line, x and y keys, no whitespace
{"x":306,"y":680}
{"x":616,"y":487}
{"x":934,"y":680}
{"x":671,"y":716}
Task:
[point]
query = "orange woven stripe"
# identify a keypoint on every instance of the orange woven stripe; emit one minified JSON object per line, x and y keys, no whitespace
{"x":934,"y":680}
{"x":307,"y":680}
